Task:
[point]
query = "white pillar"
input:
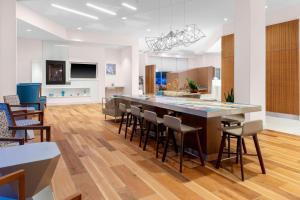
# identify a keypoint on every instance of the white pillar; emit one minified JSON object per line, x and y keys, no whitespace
{"x":250,"y":54}
{"x":8,"y":43}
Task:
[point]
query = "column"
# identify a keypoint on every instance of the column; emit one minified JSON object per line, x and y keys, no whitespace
{"x":250,"y":54}
{"x":8,"y":49}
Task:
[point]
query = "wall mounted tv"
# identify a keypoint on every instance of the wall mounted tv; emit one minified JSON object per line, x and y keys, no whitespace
{"x":83,"y":70}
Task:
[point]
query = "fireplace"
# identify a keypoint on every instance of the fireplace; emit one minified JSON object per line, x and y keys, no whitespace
{"x":55,"y":72}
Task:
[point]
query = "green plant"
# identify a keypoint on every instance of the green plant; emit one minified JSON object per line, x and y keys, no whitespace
{"x":192,"y":85}
{"x":230,"y":96}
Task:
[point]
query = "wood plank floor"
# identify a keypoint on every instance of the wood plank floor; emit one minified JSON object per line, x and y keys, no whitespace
{"x":101,"y":164}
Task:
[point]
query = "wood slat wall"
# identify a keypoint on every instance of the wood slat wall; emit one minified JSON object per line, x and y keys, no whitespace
{"x":282,"y":68}
{"x":227,"y":69}
{"x":150,"y":79}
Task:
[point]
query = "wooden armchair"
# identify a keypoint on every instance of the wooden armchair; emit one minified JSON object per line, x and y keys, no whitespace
{"x":7,"y":136}
{"x":15,"y":176}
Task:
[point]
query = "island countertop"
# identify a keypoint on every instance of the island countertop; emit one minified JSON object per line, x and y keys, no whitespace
{"x":198,"y":107}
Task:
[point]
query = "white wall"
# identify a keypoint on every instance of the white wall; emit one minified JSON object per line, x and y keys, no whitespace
{"x":8,"y":55}
{"x":204,"y":60}
{"x":37,"y":51}
{"x":29,"y":51}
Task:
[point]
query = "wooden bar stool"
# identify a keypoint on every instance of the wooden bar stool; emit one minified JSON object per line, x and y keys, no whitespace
{"x":124,"y":111}
{"x":174,"y":124}
{"x":233,"y":120}
{"x":138,"y":117}
{"x":151,"y":119}
{"x":250,"y":128}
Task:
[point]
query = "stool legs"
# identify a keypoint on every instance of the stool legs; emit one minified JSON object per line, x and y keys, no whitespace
{"x":134,"y":127}
{"x":221,"y":150}
{"x":174,"y":141}
{"x":199,"y":148}
{"x":142,"y":131}
{"x":157,"y":140}
{"x":241,"y":156}
{"x":181,"y":151}
{"x":121,"y":123}
{"x":261,"y":162}
{"x":244,"y":146}
{"x":148,"y":126}
{"x":127,"y":123}
{"x":166,"y":145}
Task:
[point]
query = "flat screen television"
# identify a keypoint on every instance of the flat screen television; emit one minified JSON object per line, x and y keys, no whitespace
{"x":83,"y":70}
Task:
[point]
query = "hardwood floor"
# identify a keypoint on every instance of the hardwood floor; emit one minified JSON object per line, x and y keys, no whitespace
{"x":101,"y":164}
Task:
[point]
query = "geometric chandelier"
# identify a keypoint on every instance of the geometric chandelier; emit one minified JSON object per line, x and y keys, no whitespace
{"x":189,"y":35}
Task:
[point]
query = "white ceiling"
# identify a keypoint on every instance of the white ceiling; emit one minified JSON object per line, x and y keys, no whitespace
{"x":156,"y":15}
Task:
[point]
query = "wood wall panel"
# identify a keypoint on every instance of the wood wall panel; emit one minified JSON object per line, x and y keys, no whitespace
{"x":150,"y":79}
{"x":227,"y":69}
{"x":282,"y":68}
{"x":203,"y":76}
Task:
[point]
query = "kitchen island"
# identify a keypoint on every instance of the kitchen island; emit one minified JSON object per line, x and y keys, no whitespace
{"x":194,"y":112}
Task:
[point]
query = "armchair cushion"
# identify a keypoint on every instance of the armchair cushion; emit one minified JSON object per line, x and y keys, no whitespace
{"x":27,"y":122}
{"x":4,"y":130}
{"x":12,"y":99}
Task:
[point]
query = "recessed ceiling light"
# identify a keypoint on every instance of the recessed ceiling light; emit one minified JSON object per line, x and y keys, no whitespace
{"x":124,"y":18}
{"x":77,"y":40}
{"x":225,"y":19}
{"x":266,"y":6}
{"x":101,"y":9}
{"x":148,"y":30}
{"x":79,"y":28}
{"x":74,"y":11}
{"x":129,"y":6}
{"x":28,"y":30}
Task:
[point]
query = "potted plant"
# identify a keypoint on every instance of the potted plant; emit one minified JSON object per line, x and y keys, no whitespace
{"x":230,"y":96}
{"x":193,"y":86}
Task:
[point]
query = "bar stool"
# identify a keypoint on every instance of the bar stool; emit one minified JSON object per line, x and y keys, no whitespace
{"x":233,"y":120}
{"x":138,"y":117}
{"x":151,"y":119}
{"x":250,"y":128}
{"x":174,"y":124}
{"x":124,"y":111}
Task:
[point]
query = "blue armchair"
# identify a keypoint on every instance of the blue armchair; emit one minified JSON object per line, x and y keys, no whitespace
{"x":31,"y":93}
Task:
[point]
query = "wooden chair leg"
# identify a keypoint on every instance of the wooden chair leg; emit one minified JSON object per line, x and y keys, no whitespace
{"x":199,"y":148}
{"x":142,"y":131}
{"x":148,"y":126}
{"x":157,"y":140}
{"x":133,"y":128}
{"x":221,"y":149}
{"x":166,"y":146}
{"x":181,"y":151}
{"x":241,"y":156}
{"x":42,"y":135}
{"x":127,"y":122}
{"x":261,"y":162}
{"x":174,"y":141}
{"x":244,"y":146}
{"x":121,"y":123}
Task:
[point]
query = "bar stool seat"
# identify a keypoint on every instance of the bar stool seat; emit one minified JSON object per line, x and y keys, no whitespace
{"x":188,"y":129}
{"x":235,"y":131}
{"x":174,"y":125}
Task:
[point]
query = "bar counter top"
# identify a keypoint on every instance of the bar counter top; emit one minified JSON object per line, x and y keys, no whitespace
{"x":192,"y":106}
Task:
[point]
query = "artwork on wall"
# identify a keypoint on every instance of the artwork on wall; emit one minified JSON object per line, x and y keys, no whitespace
{"x":110,"y":69}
